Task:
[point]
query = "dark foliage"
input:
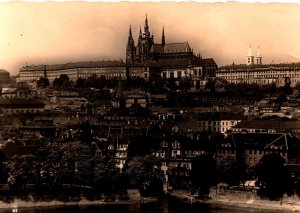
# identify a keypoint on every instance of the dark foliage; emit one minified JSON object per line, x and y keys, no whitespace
{"x":204,"y":174}
{"x":63,"y":82}
{"x":273,"y":178}
{"x":43,"y":82}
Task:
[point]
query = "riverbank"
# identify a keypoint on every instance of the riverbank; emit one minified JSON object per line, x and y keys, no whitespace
{"x":238,"y":199}
{"x":134,"y":197}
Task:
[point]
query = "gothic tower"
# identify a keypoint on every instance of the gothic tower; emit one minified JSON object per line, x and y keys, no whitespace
{"x":130,"y":49}
{"x":145,"y":43}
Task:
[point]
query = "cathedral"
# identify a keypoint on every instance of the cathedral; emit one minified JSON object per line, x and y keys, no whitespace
{"x":146,"y":50}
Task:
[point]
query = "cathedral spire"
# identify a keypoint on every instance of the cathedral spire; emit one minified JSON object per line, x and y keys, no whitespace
{"x":130,"y":33}
{"x":163,"y":39}
{"x":146,"y":27}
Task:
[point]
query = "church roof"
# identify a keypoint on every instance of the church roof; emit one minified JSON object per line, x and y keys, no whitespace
{"x":157,"y":48}
{"x":177,"y":47}
{"x":171,"y":48}
{"x":192,"y":61}
{"x":208,"y":62}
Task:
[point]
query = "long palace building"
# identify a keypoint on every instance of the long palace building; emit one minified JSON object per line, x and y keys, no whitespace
{"x":261,"y":74}
{"x":256,"y":72}
{"x":147,"y":60}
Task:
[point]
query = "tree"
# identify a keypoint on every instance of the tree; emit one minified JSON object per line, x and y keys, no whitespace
{"x":63,"y":82}
{"x":145,"y":173}
{"x":210,"y":85}
{"x":22,"y":171}
{"x":80,"y":83}
{"x":43,"y":82}
{"x":204,"y":174}
{"x":273,"y":178}
{"x":297,"y":86}
{"x":76,"y":164}
{"x":3,"y":172}
{"x":100,"y":169}
{"x":85,"y":132}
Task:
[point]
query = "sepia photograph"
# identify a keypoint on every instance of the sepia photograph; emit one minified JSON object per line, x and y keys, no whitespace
{"x":143,"y":107}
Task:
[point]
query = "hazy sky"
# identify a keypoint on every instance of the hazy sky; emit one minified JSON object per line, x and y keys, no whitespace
{"x":49,"y":32}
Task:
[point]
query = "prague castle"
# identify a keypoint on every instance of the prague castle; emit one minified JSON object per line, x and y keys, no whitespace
{"x":147,"y":59}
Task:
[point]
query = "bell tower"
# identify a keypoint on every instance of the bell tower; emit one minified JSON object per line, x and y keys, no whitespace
{"x":250,"y":57}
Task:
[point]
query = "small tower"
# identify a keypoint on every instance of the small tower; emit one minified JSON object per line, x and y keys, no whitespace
{"x":130,"y":50}
{"x":258,"y":56}
{"x":250,"y":57}
{"x":163,"y":39}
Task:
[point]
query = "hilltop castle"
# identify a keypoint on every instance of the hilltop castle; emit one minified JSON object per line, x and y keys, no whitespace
{"x":148,"y":60}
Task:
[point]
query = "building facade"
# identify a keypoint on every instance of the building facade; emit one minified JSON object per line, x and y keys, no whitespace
{"x":247,"y":148}
{"x":261,"y":74}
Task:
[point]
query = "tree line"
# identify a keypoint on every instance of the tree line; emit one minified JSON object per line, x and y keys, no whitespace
{"x":77,"y":165}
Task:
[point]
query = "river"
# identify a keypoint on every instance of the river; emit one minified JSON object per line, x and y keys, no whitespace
{"x":164,"y":206}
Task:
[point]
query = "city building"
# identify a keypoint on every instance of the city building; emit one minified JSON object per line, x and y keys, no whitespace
{"x":217,"y":121}
{"x":271,"y":126}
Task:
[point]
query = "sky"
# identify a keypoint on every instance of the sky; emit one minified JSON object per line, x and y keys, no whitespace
{"x":61,"y":32}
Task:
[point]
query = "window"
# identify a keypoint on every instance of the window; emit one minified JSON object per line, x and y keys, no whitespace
{"x":171,"y":74}
{"x":179,"y":74}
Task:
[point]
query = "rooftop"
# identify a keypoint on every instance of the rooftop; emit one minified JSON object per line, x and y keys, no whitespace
{"x":72,"y":65}
{"x":244,"y":67}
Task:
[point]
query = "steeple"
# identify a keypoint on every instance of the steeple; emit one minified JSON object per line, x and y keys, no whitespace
{"x":140,"y":38}
{"x":163,"y":39}
{"x":146,"y":27}
{"x":130,"y":50}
